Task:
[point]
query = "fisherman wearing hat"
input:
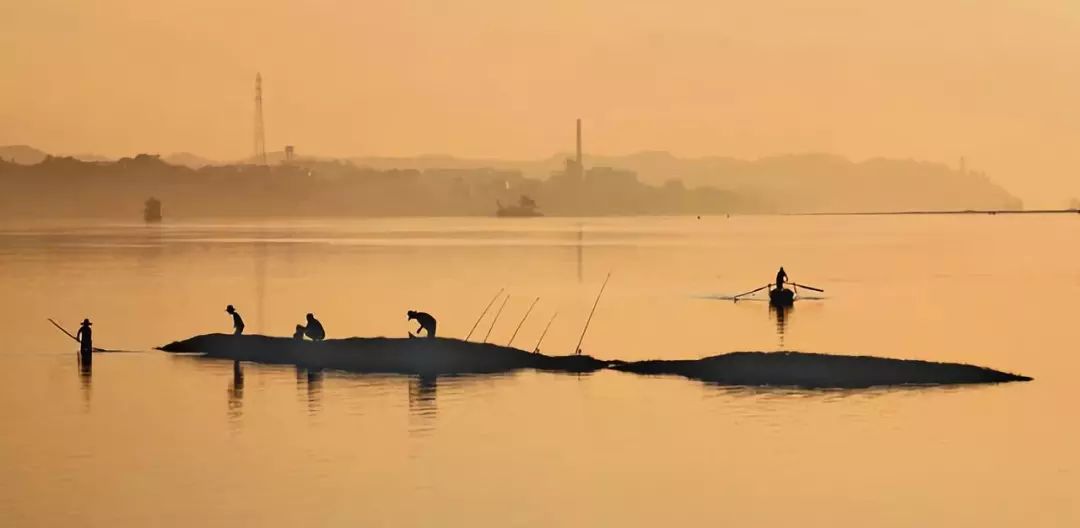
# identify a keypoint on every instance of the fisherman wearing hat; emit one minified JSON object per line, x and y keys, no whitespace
{"x":85,"y":337}
{"x":237,"y":321}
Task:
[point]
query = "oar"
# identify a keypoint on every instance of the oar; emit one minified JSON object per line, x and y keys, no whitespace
{"x":736,"y":298}
{"x":57,"y":325}
{"x":809,"y":287}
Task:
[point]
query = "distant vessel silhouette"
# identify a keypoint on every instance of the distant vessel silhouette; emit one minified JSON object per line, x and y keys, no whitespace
{"x":152,"y":211}
{"x":525,"y":208}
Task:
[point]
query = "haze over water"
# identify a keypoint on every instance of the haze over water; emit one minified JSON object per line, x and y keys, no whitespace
{"x":147,"y":438}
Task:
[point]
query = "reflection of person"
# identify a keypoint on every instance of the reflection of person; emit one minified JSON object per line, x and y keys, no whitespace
{"x":314,"y":329}
{"x":781,"y":277}
{"x":427,"y":322}
{"x":237,"y":321}
{"x":85,"y":337}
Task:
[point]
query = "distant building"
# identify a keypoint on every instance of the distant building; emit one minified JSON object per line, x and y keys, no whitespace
{"x":574,"y":169}
{"x":290,"y":153}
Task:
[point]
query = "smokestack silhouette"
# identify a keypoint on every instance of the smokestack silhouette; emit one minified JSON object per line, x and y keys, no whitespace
{"x":260,"y":133}
{"x":579,"y":143}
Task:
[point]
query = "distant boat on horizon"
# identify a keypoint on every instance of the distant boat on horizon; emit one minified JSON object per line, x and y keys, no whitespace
{"x":525,"y":208}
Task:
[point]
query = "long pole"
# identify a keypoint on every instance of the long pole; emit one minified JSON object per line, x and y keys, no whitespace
{"x":527,"y":312}
{"x":483,"y":313}
{"x":496,"y":319}
{"x":577,"y":350}
{"x":536,"y":349}
{"x":57,"y":325}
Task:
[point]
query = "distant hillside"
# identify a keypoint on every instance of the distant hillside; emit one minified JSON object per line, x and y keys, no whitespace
{"x":330,"y":188}
{"x":23,"y":154}
{"x":788,"y":184}
{"x":187,"y":159}
{"x":781,"y":184}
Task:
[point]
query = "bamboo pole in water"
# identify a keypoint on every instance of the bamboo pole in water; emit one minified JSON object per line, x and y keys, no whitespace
{"x":536,"y":349}
{"x":496,"y":319}
{"x":516,"y":330}
{"x":483,"y":313}
{"x":577,"y":350}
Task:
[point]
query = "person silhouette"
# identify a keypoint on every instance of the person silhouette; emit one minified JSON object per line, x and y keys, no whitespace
{"x":781,"y":277}
{"x":314,"y":329}
{"x":427,"y":322}
{"x":85,"y":337}
{"x":238,"y":322}
{"x":299,"y":333}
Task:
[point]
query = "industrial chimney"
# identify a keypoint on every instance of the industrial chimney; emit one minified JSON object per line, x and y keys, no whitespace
{"x":579,"y":162}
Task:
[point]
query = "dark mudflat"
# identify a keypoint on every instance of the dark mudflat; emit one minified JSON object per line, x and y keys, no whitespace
{"x":453,"y":356}
{"x":381,"y":354}
{"x":798,"y":369}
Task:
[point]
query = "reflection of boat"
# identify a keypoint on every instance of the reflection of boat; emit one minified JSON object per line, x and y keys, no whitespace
{"x":152,"y":210}
{"x":781,"y":297}
{"x":525,"y":208}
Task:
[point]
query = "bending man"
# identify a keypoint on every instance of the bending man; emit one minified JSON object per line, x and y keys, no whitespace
{"x":427,"y":322}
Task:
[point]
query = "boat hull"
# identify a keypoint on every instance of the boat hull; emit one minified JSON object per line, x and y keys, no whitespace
{"x":781,"y":297}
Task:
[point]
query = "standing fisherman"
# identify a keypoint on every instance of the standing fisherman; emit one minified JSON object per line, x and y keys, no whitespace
{"x":781,"y":277}
{"x":238,"y":322}
{"x":85,"y":337}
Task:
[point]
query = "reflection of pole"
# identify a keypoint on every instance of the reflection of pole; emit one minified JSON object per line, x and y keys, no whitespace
{"x":577,"y":350}
{"x":496,"y":319}
{"x":260,"y":286}
{"x":527,"y":312}
{"x":536,"y":349}
{"x":580,"y":253}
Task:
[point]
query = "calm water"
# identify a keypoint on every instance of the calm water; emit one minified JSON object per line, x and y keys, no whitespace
{"x":145,"y":438}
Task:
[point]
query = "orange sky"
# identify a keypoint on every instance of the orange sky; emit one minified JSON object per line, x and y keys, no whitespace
{"x":997,"y":81}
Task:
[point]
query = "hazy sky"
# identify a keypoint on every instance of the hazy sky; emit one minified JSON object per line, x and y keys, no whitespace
{"x":995,"y":80}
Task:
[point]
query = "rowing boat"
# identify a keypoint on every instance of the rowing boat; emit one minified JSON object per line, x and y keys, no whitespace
{"x":781,"y":297}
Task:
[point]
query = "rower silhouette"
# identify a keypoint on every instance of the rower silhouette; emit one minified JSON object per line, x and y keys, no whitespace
{"x":314,"y":329}
{"x":426,"y":321}
{"x":238,"y":322}
{"x":781,"y":278}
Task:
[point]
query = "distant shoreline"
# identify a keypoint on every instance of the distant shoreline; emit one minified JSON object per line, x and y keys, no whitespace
{"x":958,"y":212}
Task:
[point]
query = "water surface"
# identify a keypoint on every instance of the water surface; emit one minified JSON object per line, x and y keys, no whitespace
{"x":145,"y":438}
